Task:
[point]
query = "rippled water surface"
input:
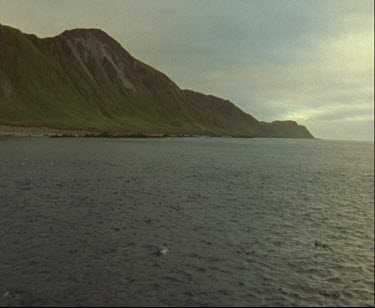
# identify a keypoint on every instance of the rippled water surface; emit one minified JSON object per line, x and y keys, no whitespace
{"x":81,"y":220}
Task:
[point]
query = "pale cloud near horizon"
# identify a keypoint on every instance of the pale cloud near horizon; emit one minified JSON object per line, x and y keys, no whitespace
{"x":309,"y":61}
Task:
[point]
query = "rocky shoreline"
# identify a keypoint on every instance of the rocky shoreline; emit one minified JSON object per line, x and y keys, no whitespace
{"x":20,"y":131}
{"x":17,"y":131}
{"x":115,"y":135}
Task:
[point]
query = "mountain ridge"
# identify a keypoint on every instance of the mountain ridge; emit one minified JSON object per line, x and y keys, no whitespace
{"x":84,"y":79}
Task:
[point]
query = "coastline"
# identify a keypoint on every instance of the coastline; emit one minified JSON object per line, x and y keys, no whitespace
{"x":20,"y":131}
{"x":23,"y":131}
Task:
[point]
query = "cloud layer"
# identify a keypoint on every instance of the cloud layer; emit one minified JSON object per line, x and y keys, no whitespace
{"x":310,"y":61}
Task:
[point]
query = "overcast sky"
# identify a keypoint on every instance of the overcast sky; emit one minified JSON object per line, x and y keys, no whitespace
{"x":309,"y":61}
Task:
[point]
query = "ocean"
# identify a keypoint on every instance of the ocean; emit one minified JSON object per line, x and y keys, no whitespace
{"x":247,"y":222}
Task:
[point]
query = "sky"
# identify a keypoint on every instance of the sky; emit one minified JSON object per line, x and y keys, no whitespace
{"x":308,"y":61}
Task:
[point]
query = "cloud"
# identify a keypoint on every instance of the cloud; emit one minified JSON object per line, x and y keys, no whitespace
{"x":329,"y":79}
{"x":334,"y":113}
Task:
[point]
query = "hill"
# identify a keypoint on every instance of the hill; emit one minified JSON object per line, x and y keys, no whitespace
{"x":83,"y":79}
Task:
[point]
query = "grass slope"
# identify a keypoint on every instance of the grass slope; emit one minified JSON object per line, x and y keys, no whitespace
{"x":84,"y":79}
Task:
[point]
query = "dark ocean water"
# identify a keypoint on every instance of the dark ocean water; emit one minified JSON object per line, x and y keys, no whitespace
{"x":81,"y":220}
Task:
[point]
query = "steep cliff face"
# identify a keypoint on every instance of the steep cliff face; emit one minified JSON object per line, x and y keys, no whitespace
{"x":84,"y":79}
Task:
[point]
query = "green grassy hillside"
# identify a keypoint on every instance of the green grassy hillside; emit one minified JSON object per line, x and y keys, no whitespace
{"x":84,"y":79}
